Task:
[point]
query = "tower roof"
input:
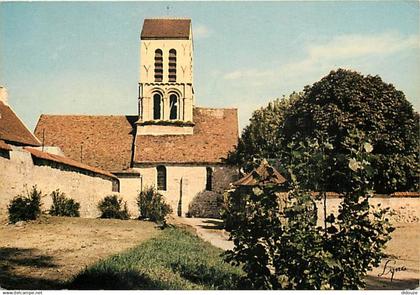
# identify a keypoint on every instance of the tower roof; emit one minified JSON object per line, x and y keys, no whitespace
{"x":166,"y":28}
{"x":263,"y":175}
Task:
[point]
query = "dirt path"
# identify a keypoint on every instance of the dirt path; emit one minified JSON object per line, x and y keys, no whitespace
{"x":403,"y":250}
{"x":209,"y":230}
{"x":404,"y":253}
{"x":41,"y":254}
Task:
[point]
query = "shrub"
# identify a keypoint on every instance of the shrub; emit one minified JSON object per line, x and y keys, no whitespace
{"x":287,"y":249}
{"x":113,"y":207}
{"x":206,"y":204}
{"x":23,"y":208}
{"x":152,"y":206}
{"x":63,"y":206}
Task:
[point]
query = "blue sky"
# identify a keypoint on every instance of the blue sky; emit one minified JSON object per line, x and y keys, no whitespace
{"x":83,"y":58}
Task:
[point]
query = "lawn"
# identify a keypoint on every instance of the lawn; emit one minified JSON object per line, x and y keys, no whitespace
{"x":175,"y":259}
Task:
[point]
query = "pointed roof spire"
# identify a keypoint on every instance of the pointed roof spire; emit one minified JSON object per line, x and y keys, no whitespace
{"x":263,"y":175}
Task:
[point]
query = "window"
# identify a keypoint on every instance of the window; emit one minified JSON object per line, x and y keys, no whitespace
{"x":172,"y":65}
{"x":173,"y":107}
{"x":209,"y":179}
{"x":161,"y":178}
{"x":4,"y":154}
{"x":157,"y":102}
{"x":116,"y":186}
{"x":158,"y":65}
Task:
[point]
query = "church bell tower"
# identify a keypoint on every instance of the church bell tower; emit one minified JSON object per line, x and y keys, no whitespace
{"x":166,"y":94}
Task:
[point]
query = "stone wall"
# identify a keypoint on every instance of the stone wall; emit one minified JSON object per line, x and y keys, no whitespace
{"x":18,"y":174}
{"x":403,"y":210}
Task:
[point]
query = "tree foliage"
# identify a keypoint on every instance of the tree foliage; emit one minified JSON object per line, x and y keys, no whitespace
{"x":331,"y":109}
{"x":262,"y":138}
{"x":285,"y":248}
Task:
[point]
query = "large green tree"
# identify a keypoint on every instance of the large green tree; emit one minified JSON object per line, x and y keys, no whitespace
{"x":330,"y":110}
{"x":263,"y":137}
{"x":344,"y":101}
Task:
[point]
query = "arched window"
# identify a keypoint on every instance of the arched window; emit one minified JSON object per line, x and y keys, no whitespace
{"x":172,"y":65}
{"x":157,"y":103}
{"x":161,"y":178}
{"x":158,"y":65}
{"x":173,"y":107}
{"x":209,"y":179}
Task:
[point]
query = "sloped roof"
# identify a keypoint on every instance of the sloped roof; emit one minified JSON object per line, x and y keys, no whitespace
{"x":66,"y":161}
{"x":100,"y":141}
{"x":4,"y":146}
{"x":263,"y":175}
{"x":12,"y":128}
{"x":166,"y":28}
{"x":215,"y":134}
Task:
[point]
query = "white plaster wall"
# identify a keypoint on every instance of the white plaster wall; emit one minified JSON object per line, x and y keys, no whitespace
{"x":18,"y":175}
{"x":193,"y":182}
{"x":129,"y":191}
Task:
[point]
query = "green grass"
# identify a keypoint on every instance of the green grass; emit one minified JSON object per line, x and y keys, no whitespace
{"x":176,"y":259}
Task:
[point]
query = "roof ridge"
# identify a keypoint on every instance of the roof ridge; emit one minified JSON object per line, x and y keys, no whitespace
{"x":169,"y":17}
{"x":67,"y":161}
{"x":83,"y":115}
{"x":23,"y":124}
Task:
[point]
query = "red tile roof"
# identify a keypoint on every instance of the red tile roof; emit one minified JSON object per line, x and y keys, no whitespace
{"x":166,"y":29}
{"x":66,"y":161}
{"x":13,"y":130}
{"x":4,"y":146}
{"x":263,"y":175}
{"x":215,"y":134}
{"x":108,"y":140}
{"x":104,"y":141}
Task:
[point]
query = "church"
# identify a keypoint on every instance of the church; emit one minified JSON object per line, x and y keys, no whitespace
{"x":172,"y":144}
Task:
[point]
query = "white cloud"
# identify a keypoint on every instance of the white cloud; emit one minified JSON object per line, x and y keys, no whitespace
{"x":247,"y":73}
{"x":201,"y":31}
{"x":365,"y":53}
{"x":349,"y":51}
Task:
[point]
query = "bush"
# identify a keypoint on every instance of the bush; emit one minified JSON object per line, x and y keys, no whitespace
{"x":23,"y":208}
{"x":206,"y":204}
{"x":112,"y":207}
{"x":287,"y":249}
{"x":63,"y":206}
{"x":152,"y":206}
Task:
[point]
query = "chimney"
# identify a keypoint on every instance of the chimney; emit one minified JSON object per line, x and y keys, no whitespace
{"x":3,"y":94}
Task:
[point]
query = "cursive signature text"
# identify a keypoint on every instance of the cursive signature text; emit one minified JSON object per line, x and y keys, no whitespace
{"x":390,"y":268}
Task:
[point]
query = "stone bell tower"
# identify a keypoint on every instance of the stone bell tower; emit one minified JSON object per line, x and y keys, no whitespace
{"x":166,"y":94}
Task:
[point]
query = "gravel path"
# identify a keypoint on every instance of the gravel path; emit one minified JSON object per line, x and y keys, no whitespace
{"x":209,"y":230}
